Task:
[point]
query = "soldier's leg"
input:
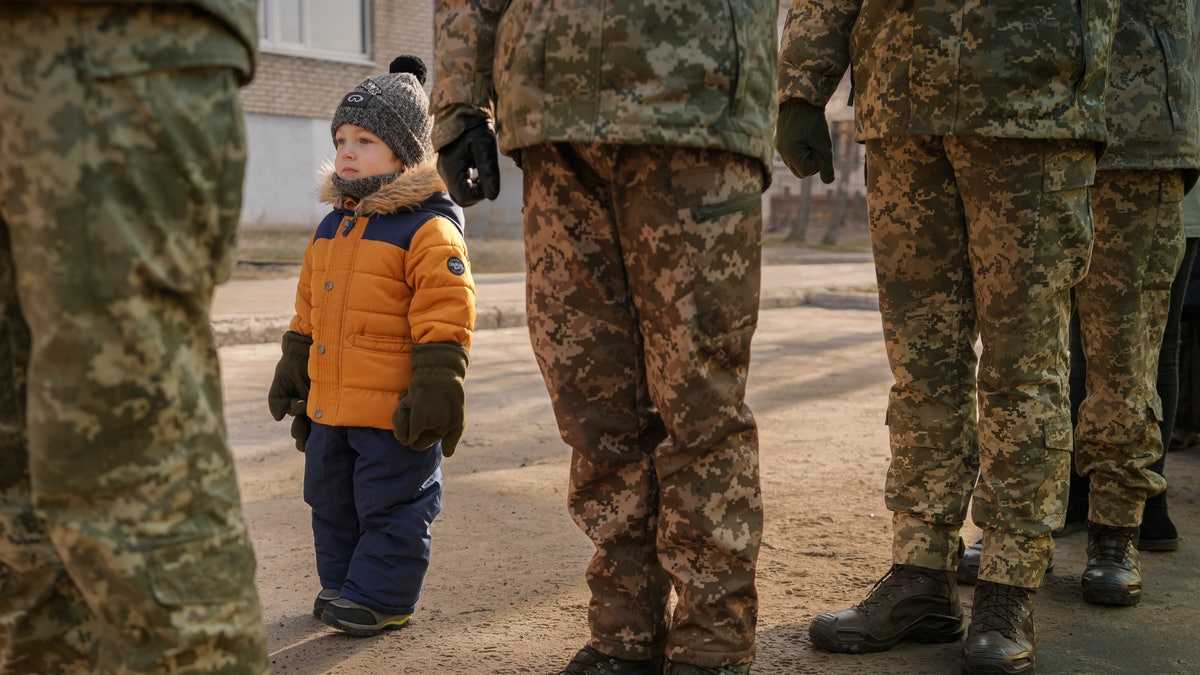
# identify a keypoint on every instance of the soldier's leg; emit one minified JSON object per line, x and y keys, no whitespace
{"x":690,"y":224}
{"x":45,"y":626}
{"x":1122,"y":306}
{"x":123,"y":183}
{"x":918,"y":238}
{"x":583,"y":326}
{"x":1030,"y":237}
{"x":1157,"y":532}
{"x":926,"y":300}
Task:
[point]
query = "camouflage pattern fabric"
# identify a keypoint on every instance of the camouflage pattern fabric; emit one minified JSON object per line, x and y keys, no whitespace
{"x":123,"y":546}
{"x":1029,"y":69}
{"x":642,"y":296}
{"x":978,"y":238}
{"x":239,"y":16}
{"x":695,"y":73}
{"x":1153,"y":155}
{"x":1150,"y":107}
{"x":1122,"y":305}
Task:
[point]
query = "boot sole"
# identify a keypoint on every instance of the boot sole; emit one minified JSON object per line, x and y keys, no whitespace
{"x":997,"y":667}
{"x":1115,"y":596}
{"x":932,"y":629}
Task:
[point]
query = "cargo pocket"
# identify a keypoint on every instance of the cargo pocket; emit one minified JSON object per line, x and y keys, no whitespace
{"x":723,"y":241}
{"x":1030,"y":479}
{"x":202,"y":571}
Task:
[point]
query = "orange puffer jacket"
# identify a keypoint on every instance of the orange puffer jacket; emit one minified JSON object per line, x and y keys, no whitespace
{"x":379,"y":276}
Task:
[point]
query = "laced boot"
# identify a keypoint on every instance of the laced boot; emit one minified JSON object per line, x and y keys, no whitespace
{"x":1113,"y":575}
{"x":908,"y":603}
{"x":1000,"y":638}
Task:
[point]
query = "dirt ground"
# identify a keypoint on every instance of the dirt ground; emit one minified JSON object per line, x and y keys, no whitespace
{"x":505,"y":593}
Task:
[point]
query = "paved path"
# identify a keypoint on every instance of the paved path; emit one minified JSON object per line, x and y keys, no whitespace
{"x":258,"y":310}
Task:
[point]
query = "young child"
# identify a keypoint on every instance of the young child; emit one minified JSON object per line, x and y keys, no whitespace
{"x":385,"y":310}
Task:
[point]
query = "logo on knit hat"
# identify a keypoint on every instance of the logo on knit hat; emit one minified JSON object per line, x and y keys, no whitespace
{"x":357,"y":99}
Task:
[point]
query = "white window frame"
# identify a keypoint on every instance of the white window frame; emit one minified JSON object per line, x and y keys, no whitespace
{"x":269,"y":27}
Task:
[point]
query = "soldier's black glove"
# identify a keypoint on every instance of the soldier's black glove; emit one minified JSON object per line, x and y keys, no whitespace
{"x":289,"y":390}
{"x":802,"y":139}
{"x":474,"y":150}
{"x":434,"y":407}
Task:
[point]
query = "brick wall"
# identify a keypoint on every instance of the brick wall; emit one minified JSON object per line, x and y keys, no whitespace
{"x":298,"y":86}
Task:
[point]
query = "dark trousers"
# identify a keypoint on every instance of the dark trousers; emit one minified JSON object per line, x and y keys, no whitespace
{"x":373,"y":500}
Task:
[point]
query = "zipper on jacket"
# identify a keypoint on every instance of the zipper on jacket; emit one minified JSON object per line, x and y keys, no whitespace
{"x":347,"y":225}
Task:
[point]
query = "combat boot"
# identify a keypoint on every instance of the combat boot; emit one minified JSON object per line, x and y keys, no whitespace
{"x":1000,"y":638}
{"x":588,"y":661}
{"x":676,"y":668}
{"x":908,"y":603}
{"x":1113,"y":575}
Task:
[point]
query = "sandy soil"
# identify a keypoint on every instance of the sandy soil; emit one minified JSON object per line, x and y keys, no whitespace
{"x":505,"y":593}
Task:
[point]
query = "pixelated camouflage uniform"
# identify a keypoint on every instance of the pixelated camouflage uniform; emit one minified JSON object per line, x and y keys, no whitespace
{"x":123,"y":546}
{"x":1122,"y":303}
{"x":981,"y":122}
{"x":644,"y":133}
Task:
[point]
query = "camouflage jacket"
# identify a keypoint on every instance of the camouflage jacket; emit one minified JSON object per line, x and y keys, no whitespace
{"x":673,"y":72}
{"x":240,"y":16}
{"x":1018,"y":69}
{"x":1151,"y":105}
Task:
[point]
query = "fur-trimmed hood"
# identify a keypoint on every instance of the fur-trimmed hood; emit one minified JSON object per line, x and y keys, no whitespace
{"x":410,"y":188}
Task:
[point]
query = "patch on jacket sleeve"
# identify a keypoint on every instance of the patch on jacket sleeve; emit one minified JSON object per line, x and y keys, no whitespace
{"x":456,"y":266}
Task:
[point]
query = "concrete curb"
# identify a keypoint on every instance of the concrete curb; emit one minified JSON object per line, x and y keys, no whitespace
{"x":262,"y":329}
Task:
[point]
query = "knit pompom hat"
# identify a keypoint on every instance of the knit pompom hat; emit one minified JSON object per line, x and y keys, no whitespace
{"x":395,"y":108}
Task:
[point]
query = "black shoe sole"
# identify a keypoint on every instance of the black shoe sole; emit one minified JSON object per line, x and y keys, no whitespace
{"x":1158,"y":545}
{"x":1113,"y":596}
{"x":361,"y":630}
{"x":932,"y":629}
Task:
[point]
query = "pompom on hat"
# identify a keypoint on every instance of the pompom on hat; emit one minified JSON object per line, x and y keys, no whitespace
{"x":394,"y":107}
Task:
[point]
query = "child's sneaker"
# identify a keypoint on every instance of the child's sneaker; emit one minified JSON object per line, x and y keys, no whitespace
{"x":347,"y":615}
{"x":326,"y":596}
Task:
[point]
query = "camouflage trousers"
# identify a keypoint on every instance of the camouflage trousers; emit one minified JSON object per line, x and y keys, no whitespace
{"x":643,"y":274}
{"x":123,"y":547}
{"x":1122,"y":305}
{"x":978,"y":239}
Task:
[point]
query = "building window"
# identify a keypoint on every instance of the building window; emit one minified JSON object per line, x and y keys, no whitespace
{"x":322,"y":28}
